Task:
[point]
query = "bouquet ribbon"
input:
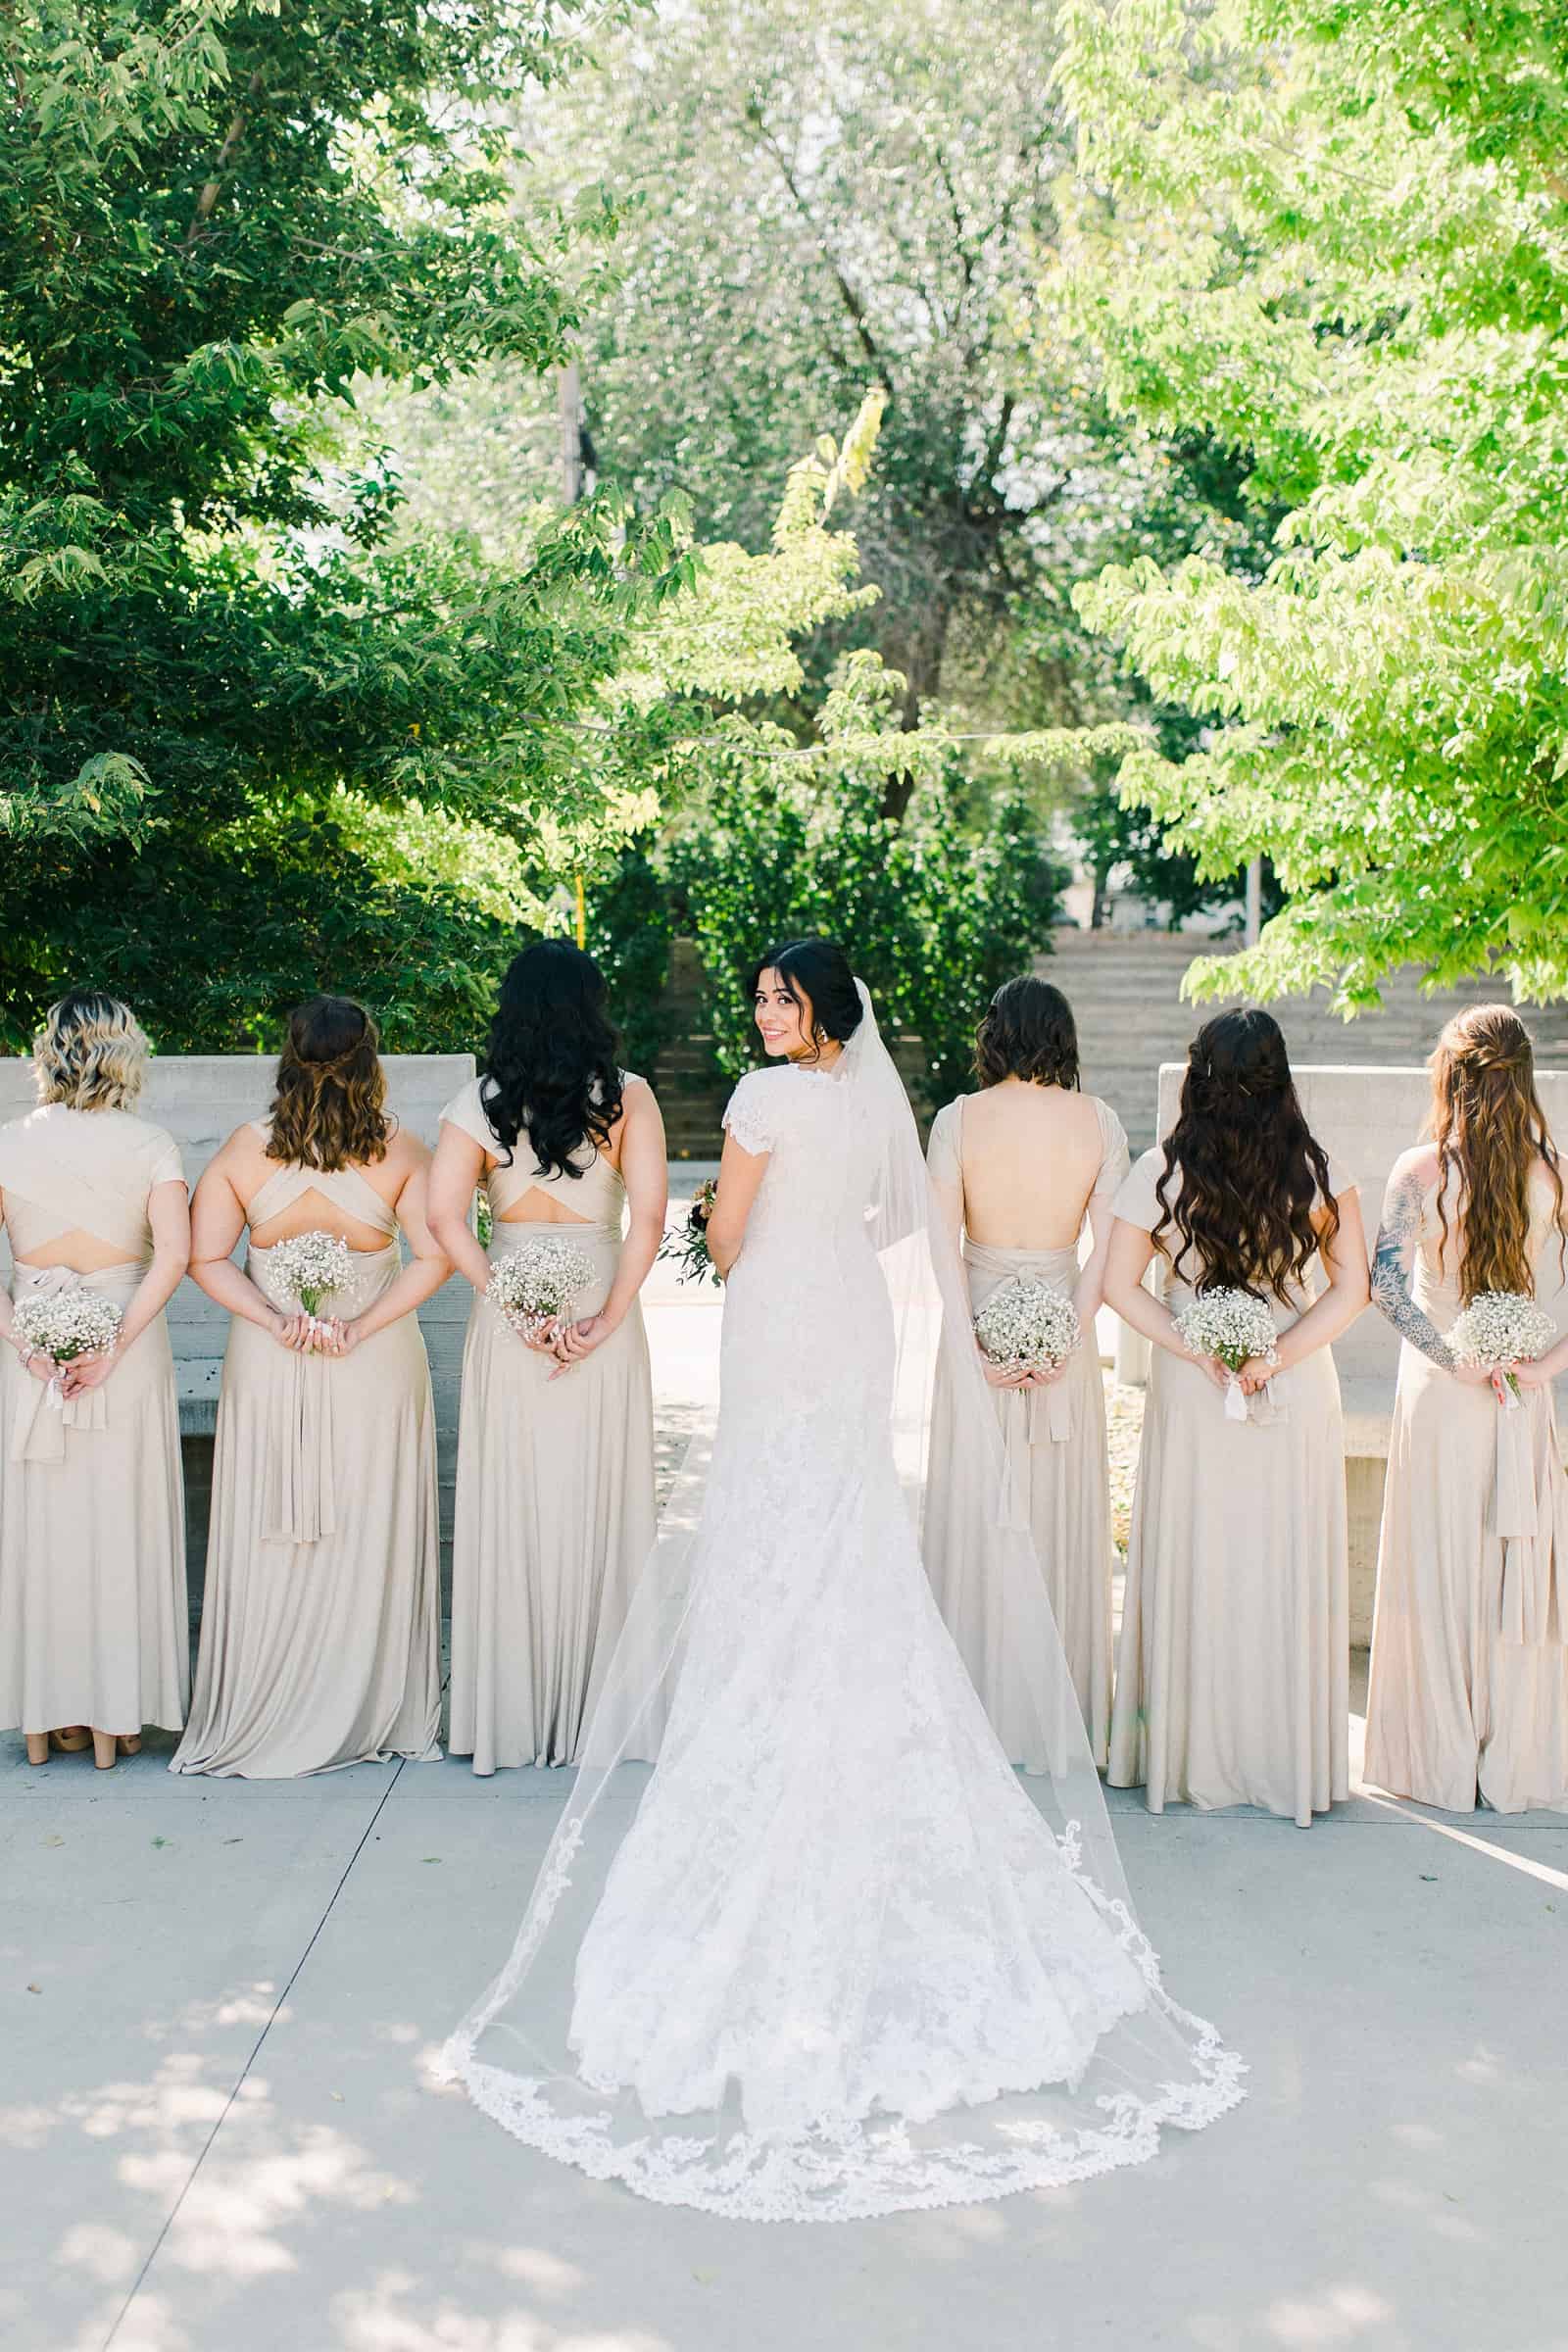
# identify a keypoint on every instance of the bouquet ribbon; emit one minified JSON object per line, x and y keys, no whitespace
{"x":1521,"y":1516}
{"x":1030,"y":1417}
{"x":1263,"y":1408}
{"x":299,"y":1502}
{"x":43,"y":1412}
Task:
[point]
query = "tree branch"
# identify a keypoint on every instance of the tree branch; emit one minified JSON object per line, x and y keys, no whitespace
{"x":213,"y":187}
{"x":850,"y":300}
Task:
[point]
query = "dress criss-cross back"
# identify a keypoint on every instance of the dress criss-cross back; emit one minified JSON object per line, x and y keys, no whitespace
{"x":555,"y":1501}
{"x":321,"y":1618}
{"x":92,"y":1533}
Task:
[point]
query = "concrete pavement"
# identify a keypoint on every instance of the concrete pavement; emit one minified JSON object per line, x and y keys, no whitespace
{"x":217,"y":2134}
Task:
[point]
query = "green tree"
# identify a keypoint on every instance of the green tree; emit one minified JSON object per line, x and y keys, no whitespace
{"x":1336,"y":238}
{"x":248,"y":741}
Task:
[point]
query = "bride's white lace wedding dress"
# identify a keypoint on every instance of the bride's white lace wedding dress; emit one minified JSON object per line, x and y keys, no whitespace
{"x":832,"y":1959}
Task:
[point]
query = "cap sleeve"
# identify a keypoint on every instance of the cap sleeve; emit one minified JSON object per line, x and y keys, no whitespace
{"x":165,"y":1163}
{"x":1114,"y":1166}
{"x":466,"y":1112}
{"x":1136,"y":1202}
{"x":748,"y":1114}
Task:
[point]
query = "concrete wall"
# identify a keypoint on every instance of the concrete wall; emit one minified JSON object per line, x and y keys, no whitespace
{"x":201,"y":1099}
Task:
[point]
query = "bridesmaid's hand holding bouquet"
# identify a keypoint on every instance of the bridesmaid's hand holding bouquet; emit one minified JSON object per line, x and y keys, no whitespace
{"x":533,"y":1287}
{"x":73,"y":1329}
{"x":1025,"y":1333}
{"x":1498,"y":1330}
{"x":306,"y":1269}
{"x":1233,"y":1329}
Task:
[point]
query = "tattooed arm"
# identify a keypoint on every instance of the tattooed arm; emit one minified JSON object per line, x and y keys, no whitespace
{"x":1394,"y":1257}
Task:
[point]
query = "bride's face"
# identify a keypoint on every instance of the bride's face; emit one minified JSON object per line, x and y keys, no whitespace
{"x":783,"y":1023}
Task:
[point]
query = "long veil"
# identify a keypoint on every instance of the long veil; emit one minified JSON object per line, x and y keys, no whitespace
{"x":1155,"y":2065}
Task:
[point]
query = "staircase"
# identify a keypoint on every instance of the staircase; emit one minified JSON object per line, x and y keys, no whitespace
{"x":1125,"y":991}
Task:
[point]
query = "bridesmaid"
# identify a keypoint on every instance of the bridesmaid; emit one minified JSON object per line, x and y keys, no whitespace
{"x":555,"y":1506}
{"x":321,"y":1618}
{"x":1233,"y":1671}
{"x":1469,"y":1685}
{"x":93,"y":1636}
{"x":1016,"y":1169}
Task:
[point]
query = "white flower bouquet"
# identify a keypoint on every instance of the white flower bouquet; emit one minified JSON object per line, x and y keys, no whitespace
{"x":64,"y":1325}
{"x":1500,"y":1328}
{"x":309,"y":1267}
{"x":1230,"y":1326}
{"x":535,"y":1285}
{"x":1024,"y":1327}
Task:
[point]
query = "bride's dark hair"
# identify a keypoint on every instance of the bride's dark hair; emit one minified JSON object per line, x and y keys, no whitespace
{"x":1252,"y":1174}
{"x":817,"y":969}
{"x":550,"y":1068}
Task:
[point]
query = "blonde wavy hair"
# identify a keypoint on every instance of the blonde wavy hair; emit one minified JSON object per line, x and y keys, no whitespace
{"x":1489,"y":1126}
{"x":328,"y":1103}
{"x":91,"y":1052}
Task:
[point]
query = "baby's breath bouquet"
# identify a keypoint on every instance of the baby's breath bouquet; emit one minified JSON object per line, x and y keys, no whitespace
{"x":1500,"y":1328}
{"x":1230,"y":1326}
{"x":687,"y":1244}
{"x":1026,"y":1328}
{"x":534,"y":1284}
{"x":309,"y":1267}
{"x":64,"y":1325}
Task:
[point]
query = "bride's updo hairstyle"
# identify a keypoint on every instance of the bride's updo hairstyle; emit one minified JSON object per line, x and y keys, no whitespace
{"x":91,"y":1052}
{"x":815,"y":971}
{"x":1489,"y":1126}
{"x":329,"y":1101}
{"x":1252,"y":1174}
{"x":549,"y":1068}
{"x":1027,"y":1032}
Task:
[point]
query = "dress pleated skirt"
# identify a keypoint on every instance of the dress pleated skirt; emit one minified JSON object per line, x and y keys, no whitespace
{"x":1469,"y":1681}
{"x":93,"y":1625}
{"x":554,"y":1520}
{"x":320,"y":1619}
{"x":1233,"y":1670}
{"x":1055,"y":1444}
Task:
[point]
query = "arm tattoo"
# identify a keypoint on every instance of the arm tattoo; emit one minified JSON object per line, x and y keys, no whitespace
{"x":1390,"y":1272}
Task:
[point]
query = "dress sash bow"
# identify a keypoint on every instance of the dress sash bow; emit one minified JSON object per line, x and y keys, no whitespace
{"x":300,"y":1504}
{"x":1522,"y":1515}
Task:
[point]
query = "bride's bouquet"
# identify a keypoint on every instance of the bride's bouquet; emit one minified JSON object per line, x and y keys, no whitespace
{"x":1023,"y":1327}
{"x":687,"y":1245}
{"x":535,"y":1285}
{"x":309,"y":1267}
{"x":1230,"y":1326}
{"x":1500,"y":1328}
{"x":64,"y":1325}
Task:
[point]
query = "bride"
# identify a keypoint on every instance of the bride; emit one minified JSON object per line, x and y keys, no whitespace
{"x":830,"y":1957}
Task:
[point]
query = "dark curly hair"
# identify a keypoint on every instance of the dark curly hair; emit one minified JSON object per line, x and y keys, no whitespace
{"x":1027,"y":1032}
{"x":1252,"y":1174}
{"x":817,"y":971}
{"x":550,"y":1067}
{"x":329,"y":1099}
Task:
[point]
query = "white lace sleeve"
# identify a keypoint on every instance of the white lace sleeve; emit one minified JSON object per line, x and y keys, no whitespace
{"x":748,"y":1114}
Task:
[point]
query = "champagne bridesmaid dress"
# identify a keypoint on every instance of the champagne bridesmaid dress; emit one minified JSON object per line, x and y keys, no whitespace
{"x":1057,"y":1456}
{"x":322,"y":1617}
{"x":1233,"y":1670}
{"x":92,"y":1522}
{"x":1469,"y":1681}
{"x":554,"y":1502}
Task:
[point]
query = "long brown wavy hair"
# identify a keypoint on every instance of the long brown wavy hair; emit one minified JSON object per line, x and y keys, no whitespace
{"x":1489,"y":1127}
{"x":1252,"y":1174}
{"x":328,"y":1105}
